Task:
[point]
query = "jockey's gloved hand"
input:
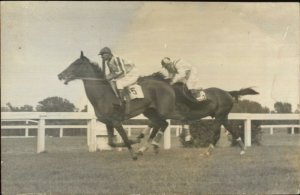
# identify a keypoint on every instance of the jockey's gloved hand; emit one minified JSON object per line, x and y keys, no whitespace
{"x":110,"y":77}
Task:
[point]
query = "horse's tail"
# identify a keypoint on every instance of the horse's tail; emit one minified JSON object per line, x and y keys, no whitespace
{"x":245,"y":91}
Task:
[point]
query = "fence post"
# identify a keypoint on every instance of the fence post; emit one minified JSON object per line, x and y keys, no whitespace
{"x":177,"y":131}
{"x":167,"y":136}
{"x":129,"y":131}
{"x":271,"y":131}
{"x":41,"y":134}
{"x":92,"y":135}
{"x":247,"y":132}
{"x":88,"y":136}
{"x":26,"y":129}
{"x":61,"y":132}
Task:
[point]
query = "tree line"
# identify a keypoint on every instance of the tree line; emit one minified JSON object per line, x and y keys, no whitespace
{"x":59,"y":104}
{"x":50,"y":104}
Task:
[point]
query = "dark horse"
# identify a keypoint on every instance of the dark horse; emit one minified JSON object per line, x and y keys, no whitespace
{"x":161,"y":101}
{"x":158,"y":102}
{"x":218,"y":104}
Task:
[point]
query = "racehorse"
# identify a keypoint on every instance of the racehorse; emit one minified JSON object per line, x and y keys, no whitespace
{"x":161,"y":101}
{"x":158,"y":102}
{"x":218,"y":104}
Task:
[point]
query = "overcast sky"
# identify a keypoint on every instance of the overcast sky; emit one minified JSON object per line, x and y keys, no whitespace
{"x":232,"y":45}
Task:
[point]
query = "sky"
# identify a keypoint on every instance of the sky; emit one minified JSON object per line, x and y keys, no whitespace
{"x":231,"y":45}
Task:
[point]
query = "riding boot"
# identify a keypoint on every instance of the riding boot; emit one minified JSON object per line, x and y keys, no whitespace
{"x":121,"y":95}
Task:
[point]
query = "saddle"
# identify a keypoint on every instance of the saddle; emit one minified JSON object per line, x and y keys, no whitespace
{"x":186,"y":97}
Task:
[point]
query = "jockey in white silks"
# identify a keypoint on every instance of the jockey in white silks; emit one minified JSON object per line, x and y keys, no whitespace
{"x":178,"y":71}
{"x":122,"y":73}
{"x":181,"y":71}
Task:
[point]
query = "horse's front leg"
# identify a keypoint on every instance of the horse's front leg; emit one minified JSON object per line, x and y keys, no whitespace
{"x":216,"y":136}
{"x":153,"y":133}
{"x":125,"y":139}
{"x":145,"y":146}
{"x":158,"y":134}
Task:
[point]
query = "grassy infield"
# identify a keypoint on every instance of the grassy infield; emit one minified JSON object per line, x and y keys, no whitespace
{"x":67,"y":168}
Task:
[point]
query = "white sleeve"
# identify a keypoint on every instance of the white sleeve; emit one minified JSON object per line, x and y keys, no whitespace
{"x":164,"y":72}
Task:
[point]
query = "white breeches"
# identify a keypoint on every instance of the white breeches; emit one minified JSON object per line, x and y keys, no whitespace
{"x":190,"y":79}
{"x":129,"y":79}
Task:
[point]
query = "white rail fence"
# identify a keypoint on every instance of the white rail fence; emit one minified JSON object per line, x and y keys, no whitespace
{"x":272,"y":127}
{"x":96,"y":131}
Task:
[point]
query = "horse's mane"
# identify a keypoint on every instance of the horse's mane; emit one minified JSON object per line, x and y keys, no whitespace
{"x":95,"y":66}
{"x":155,"y":76}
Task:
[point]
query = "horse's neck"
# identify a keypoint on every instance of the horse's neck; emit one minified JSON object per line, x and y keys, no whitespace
{"x":97,"y":91}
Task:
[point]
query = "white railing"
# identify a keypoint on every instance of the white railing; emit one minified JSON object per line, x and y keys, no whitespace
{"x":95,"y":128}
{"x":27,"y":127}
{"x":272,"y":127}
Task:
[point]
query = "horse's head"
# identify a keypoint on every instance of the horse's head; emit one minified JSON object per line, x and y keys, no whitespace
{"x":80,"y":69}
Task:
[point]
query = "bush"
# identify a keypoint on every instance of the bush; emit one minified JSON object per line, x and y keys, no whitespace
{"x":202,"y":133}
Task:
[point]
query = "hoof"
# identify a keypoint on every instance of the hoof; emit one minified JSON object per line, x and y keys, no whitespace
{"x":156,"y":149}
{"x":155,"y":144}
{"x":242,"y":152}
{"x":142,"y":150}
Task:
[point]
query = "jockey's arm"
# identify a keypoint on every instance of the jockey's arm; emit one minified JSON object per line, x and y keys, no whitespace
{"x":167,"y":74}
{"x":115,"y":75}
{"x":118,"y":69}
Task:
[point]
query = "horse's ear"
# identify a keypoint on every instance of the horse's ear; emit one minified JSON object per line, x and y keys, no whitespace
{"x":81,"y":54}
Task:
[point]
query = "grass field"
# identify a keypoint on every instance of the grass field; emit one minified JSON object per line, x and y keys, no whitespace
{"x":67,"y":168}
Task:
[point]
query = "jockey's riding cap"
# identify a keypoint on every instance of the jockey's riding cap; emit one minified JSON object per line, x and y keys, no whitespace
{"x":105,"y":50}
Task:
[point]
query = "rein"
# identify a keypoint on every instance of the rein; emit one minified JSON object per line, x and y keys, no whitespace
{"x":91,"y":79}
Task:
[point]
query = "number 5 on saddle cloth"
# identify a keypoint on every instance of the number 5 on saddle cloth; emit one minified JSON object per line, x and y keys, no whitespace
{"x":130,"y":92}
{"x":135,"y":91}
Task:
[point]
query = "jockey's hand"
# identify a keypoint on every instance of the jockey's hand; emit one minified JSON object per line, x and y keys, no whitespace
{"x":110,"y":77}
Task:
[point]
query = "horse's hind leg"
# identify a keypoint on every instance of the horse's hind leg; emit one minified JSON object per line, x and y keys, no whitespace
{"x":235,"y":135}
{"x":155,"y":125}
{"x":158,"y":134}
{"x":155,"y":136}
{"x":159,"y":126}
{"x":145,"y":147}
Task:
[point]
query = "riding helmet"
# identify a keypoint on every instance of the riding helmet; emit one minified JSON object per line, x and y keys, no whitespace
{"x":165,"y":61}
{"x":105,"y":50}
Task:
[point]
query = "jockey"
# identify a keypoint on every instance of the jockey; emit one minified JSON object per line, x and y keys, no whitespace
{"x":121,"y":73}
{"x":183,"y":72}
